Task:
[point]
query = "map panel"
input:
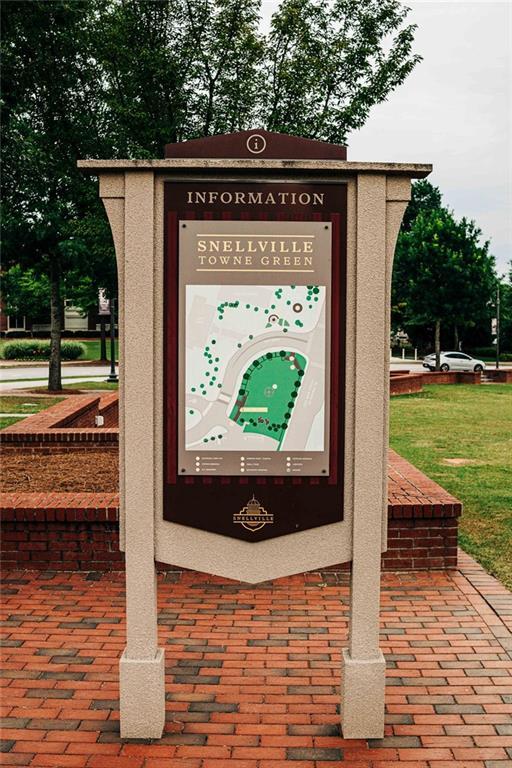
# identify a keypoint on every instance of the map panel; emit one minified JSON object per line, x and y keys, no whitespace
{"x":254,"y":368}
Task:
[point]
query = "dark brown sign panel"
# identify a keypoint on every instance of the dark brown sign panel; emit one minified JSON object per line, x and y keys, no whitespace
{"x":254,"y":344}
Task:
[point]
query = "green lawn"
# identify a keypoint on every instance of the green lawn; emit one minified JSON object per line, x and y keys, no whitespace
{"x":472,"y":423}
{"x":44,"y":376}
{"x":93,"y":349}
{"x":101,"y":384}
{"x":6,"y":421}
{"x":25,"y":404}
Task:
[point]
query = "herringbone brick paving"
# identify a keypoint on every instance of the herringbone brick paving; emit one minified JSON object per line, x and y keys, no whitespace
{"x":252,"y":672}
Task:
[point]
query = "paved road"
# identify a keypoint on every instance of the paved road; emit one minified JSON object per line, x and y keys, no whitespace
{"x":38,"y":375}
{"x":414,"y":366}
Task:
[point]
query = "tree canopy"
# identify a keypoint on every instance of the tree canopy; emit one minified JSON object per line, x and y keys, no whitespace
{"x":506,"y":312}
{"x":179,"y":69}
{"x":444,"y":274}
{"x":110,"y":78}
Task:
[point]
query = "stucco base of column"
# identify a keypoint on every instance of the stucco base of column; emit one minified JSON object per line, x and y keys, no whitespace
{"x":142,"y":694}
{"x":362,"y":697}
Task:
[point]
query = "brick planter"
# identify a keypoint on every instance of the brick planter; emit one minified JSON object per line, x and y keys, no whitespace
{"x":79,"y":531}
{"x":409,"y":383}
{"x":69,"y":424}
{"x":423,"y":520}
{"x":451,"y":377}
{"x":406,"y":384}
{"x":500,"y":376}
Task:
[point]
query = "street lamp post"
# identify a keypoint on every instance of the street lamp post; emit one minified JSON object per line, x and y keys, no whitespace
{"x":103,"y":340}
{"x":113,"y":375}
{"x":498,"y":325}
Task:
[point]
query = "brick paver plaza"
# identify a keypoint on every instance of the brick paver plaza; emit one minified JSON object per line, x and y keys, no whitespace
{"x":253,"y":672}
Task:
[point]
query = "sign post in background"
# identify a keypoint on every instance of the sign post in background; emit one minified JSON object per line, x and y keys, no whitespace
{"x":103,"y":312}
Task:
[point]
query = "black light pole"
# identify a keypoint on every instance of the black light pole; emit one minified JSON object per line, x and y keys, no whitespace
{"x":103,"y":340}
{"x":498,"y":325}
{"x":113,"y":375}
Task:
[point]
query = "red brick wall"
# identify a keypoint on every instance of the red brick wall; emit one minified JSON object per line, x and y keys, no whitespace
{"x":94,"y":545}
{"x":107,"y":440}
{"x":451,"y":377}
{"x":68,"y":424}
{"x":501,"y":376}
{"x":69,"y":531}
{"x":109,"y":409}
{"x":106,"y":406}
{"x":63,"y":546}
{"x":406,"y":384}
{"x":421,"y":544}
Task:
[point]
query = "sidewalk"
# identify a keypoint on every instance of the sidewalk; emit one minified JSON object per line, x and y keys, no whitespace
{"x":253,"y":672}
{"x":44,"y":363}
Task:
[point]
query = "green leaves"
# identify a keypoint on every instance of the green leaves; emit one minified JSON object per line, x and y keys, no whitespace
{"x":442,"y":269}
{"x":25,"y":292}
{"x":108,"y":78}
{"x":329,"y":63}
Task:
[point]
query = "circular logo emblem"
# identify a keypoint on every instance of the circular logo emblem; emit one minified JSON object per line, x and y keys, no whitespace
{"x":256,"y":144}
{"x":253,"y":516}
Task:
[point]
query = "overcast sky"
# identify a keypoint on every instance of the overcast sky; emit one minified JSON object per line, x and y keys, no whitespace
{"x":454,"y":111}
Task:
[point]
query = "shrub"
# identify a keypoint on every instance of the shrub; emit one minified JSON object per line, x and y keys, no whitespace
{"x":482,"y":352}
{"x":32,"y":349}
{"x":90,"y":334}
{"x":27,"y":350}
{"x":490,"y":352}
{"x":72,"y":350}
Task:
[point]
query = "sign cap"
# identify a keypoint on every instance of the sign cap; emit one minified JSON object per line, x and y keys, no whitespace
{"x":256,"y":143}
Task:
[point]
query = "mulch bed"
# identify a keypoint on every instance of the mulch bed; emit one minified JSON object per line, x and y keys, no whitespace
{"x":91,"y":471}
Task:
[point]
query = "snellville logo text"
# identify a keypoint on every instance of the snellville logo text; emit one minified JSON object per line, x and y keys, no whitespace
{"x":253,"y":516}
{"x":247,"y":251}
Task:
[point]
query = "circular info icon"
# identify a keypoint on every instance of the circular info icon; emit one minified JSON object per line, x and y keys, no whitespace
{"x":256,"y":143}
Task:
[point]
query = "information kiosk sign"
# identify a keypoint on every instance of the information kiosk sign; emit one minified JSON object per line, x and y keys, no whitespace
{"x":255,"y":334}
{"x":254,"y":284}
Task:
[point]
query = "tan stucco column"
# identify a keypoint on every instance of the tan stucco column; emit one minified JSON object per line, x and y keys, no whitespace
{"x":376,"y":229}
{"x":142,"y":692}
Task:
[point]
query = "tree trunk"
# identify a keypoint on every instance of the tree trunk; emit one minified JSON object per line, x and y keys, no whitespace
{"x":456,"y":338}
{"x":437,"y":344}
{"x":54,"y":373}
{"x":103,"y":340}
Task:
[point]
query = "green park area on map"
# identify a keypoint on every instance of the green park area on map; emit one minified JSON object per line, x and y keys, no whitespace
{"x":255,"y":367}
{"x":268,"y":393}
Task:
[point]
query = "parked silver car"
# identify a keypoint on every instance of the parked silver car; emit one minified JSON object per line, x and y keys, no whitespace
{"x":454,"y":361}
